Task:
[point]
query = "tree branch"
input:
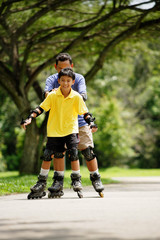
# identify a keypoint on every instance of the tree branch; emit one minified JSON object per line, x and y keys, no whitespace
{"x":125,"y":34}
{"x":38,"y":90}
{"x":6,"y":4}
{"x":54,"y":4}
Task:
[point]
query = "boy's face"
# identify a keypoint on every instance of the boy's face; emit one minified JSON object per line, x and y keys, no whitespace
{"x":62,"y":65}
{"x":66,"y":83}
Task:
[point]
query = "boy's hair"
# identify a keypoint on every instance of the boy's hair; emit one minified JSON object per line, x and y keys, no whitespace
{"x":66,"y":72}
{"x":63,"y":57}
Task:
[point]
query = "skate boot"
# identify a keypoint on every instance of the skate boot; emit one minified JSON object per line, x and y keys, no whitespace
{"x":97,"y":184}
{"x":56,"y":190}
{"x":38,"y":190}
{"x":76,"y":183}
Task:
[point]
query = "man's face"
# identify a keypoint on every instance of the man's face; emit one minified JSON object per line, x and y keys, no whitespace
{"x":62,"y":65}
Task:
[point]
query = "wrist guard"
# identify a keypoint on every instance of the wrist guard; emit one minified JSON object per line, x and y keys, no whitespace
{"x":32,"y":111}
{"x":90,"y":120}
{"x":36,"y":111}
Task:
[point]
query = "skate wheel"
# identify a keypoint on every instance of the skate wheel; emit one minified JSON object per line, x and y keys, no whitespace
{"x":53,"y":195}
{"x":29,"y":196}
{"x":101,"y":194}
{"x":49,"y":195}
{"x":80,"y":194}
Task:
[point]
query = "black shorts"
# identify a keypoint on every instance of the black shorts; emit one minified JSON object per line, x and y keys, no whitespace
{"x":57,"y":144}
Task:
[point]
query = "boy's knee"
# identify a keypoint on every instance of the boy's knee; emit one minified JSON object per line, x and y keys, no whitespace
{"x":47,"y":155}
{"x":58,"y":155}
{"x":73,"y":154}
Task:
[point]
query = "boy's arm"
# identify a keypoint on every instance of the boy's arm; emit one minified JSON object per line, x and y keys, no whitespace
{"x":34,"y":113}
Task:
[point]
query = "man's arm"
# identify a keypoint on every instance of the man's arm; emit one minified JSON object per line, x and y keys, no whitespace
{"x":34,"y":113}
{"x":50,"y":85}
{"x":82,"y":87}
{"x":90,"y":120}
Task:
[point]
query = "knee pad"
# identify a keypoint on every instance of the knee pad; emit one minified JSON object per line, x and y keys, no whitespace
{"x":58,"y":155}
{"x":47,"y":155}
{"x":88,"y":154}
{"x":73,"y":154}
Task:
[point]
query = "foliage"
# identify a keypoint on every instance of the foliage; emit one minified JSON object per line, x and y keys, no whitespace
{"x":112,"y":140}
{"x":126,"y":92}
{"x":10,"y":143}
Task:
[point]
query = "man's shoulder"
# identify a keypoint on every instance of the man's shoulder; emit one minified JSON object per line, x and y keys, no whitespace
{"x":76,"y":94}
{"x":53,"y":77}
{"x":78,"y":76}
{"x":52,"y":94}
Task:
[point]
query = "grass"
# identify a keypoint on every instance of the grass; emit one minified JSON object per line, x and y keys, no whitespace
{"x":11,"y":182}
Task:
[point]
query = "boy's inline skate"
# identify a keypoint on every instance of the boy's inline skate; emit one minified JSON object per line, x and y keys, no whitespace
{"x":38,"y":190}
{"x":56,"y":190}
{"x":97,"y":184}
{"x":76,"y":183}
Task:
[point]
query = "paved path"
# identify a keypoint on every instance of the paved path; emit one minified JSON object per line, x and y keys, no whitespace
{"x":130,"y":210}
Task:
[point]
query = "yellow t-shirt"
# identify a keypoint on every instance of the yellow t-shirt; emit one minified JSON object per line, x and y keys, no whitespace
{"x":63,"y":115}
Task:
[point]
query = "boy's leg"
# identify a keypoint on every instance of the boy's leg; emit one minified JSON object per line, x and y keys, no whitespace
{"x":72,"y":144}
{"x":45,"y":167}
{"x":59,"y":163}
{"x":56,"y":189}
{"x":38,"y":190}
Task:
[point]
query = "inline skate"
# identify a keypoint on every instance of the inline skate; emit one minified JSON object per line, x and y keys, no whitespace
{"x":38,"y":190}
{"x":76,"y":184}
{"x":97,"y":184}
{"x":56,"y":190}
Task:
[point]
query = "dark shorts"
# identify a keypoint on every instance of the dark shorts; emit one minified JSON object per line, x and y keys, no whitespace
{"x":57,"y":144}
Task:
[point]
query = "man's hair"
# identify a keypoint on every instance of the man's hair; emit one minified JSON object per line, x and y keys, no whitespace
{"x":66,"y":72}
{"x":63,"y":57}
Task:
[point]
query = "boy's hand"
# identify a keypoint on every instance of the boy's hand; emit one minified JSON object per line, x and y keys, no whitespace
{"x":25,"y":122}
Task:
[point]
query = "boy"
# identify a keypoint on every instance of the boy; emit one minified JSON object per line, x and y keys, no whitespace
{"x":86,"y":145}
{"x":63,"y":105}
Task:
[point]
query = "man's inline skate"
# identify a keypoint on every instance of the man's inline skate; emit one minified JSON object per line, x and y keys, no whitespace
{"x":56,"y":190}
{"x":38,"y":190}
{"x":97,"y":184}
{"x":76,"y":184}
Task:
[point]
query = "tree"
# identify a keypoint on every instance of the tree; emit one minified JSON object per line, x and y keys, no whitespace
{"x":30,"y":32}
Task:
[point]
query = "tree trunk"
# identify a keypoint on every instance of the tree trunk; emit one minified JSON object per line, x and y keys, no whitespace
{"x":29,"y":161}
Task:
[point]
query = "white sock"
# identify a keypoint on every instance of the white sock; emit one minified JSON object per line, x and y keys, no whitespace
{"x":60,"y":173}
{"x":76,"y":172}
{"x":97,"y":172}
{"x":44,"y":172}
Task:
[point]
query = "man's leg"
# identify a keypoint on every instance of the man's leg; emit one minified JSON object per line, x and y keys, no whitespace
{"x":86,"y":146}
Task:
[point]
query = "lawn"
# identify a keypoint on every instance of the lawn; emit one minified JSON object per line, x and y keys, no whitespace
{"x":11,"y":182}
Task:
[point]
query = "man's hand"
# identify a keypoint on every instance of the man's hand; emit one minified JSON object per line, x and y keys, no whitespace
{"x":94,"y":129}
{"x":46,"y":93}
{"x":90,"y":120}
{"x":26,"y":122}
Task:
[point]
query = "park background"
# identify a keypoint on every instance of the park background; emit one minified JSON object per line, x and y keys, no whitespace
{"x":114,"y":44}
